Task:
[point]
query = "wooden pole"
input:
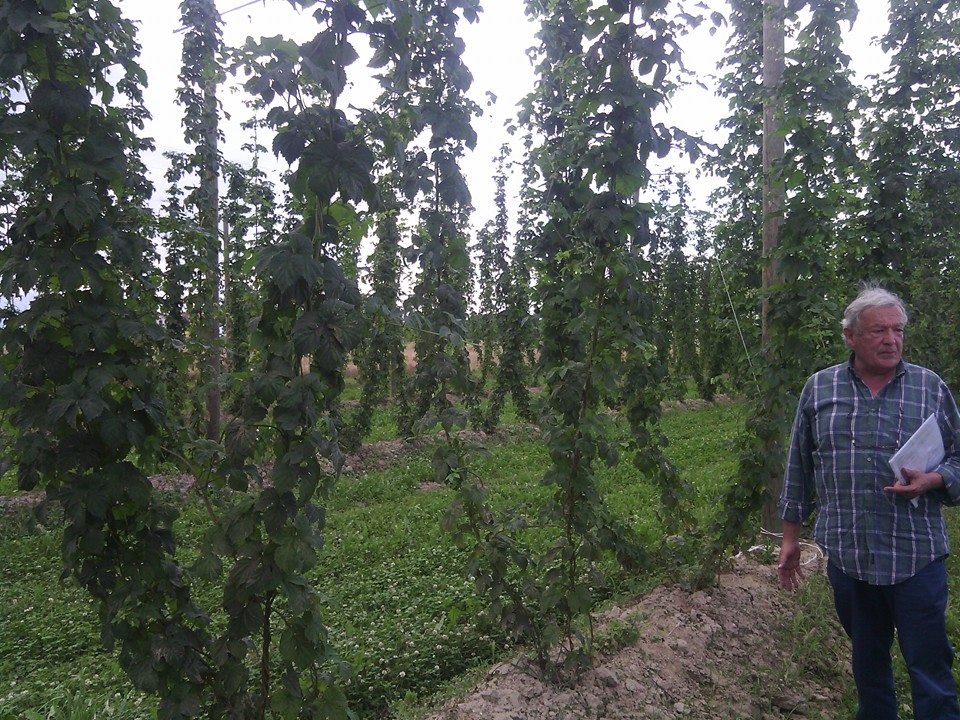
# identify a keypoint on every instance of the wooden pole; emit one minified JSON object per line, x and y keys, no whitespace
{"x":209,"y":222}
{"x":773,"y":195}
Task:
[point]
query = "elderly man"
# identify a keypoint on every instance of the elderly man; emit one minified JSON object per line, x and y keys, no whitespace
{"x":886,"y":556}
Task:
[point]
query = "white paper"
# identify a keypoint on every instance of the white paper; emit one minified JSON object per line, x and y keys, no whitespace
{"x":923,"y":451}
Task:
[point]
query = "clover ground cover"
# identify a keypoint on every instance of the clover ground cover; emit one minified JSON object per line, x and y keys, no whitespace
{"x":399,"y":608}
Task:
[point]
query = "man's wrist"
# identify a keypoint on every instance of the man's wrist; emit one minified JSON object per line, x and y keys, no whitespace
{"x":791,"y":532}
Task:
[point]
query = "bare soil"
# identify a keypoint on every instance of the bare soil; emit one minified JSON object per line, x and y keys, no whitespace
{"x":709,"y":654}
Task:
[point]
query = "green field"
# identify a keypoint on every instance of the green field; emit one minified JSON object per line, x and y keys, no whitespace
{"x":400,"y":610}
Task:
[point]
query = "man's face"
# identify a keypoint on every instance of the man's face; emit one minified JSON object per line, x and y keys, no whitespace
{"x":877,"y":340}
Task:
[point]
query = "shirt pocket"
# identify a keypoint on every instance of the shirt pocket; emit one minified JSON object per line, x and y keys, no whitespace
{"x":897,"y":429}
{"x":832,"y":426}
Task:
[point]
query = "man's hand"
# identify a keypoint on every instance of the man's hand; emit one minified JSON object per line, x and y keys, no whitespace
{"x":917,"y":484}
{"x":788,"y":566}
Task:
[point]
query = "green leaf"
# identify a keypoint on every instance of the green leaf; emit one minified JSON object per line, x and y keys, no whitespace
{"x":241,"y":528}
{"x":308,"y":333}
{"x":292,"y":266}
{"x":289,"y":556}
{"x":579,"y":600}
{"x":208,"y":566}
{"x":298,"y":405}
{"x":240,"y":439}
{"x":290,"y":144}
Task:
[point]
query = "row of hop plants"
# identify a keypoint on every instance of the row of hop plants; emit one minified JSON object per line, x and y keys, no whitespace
{"x":97,"y":358}
{"x":101,"y":347}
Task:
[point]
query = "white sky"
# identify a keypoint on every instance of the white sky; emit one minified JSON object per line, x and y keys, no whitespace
{"x":495,"y":54}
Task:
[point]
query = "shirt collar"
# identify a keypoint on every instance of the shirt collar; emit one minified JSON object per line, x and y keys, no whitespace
{"x":901,"y":368}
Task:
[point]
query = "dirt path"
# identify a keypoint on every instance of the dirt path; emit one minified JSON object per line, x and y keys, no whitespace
{"x":706,"y":655}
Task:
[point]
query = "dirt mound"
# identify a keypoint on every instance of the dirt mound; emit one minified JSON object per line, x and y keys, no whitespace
{"x":682,"y":655}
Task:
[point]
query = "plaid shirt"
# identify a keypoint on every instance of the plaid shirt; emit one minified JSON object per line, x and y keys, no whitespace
{"x":838,"y":461}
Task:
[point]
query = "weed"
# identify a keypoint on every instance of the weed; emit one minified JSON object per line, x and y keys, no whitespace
{"x":617,"y":635}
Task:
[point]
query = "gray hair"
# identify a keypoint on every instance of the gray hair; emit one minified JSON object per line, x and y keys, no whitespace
{"x":871,"y":296}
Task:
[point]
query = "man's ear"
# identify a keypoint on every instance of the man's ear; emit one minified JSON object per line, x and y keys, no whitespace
{"x":848,"y":337}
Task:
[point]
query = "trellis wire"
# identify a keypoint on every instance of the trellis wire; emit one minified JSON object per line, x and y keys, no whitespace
{"x":736,"y":320}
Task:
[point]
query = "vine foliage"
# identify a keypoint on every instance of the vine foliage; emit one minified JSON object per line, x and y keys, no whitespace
{"x":817,"y":97}
{"x":79,"y":379}
{"x":594,"y":116}
{"x":200,"y":76}
{"x":508,"y":309}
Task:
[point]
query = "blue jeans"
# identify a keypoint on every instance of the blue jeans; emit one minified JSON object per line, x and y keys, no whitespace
{"x":915,"y":607}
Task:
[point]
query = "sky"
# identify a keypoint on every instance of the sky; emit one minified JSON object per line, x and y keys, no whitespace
{"x":495,"y":53}
{"x":496,"y":56}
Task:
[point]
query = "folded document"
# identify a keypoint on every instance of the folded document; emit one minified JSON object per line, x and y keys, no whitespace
{"x":923,"y":451}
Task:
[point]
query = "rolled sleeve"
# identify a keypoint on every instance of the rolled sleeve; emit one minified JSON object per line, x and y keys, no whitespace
{"x":950,"y":493}
{"x":949,"y":469}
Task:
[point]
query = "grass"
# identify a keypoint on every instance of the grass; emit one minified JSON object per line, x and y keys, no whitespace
{"x":399,"y":608}
{"x":814,"y":647}
{"x":8,"y":483}
{"x":818,"y":647}
{"x":50,"y":661}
